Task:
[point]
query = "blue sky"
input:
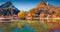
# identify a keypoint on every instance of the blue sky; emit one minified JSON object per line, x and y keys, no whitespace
{"x":28,"y":4}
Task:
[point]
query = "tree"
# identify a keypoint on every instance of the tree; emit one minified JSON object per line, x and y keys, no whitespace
{"x":32,"y":12}
{"x":21,"y":15}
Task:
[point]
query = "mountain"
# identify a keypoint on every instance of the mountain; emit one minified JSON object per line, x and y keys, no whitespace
{"x":43,"y":4}
{"x":6,"y":5}
{"x":45,"y":10}
{"x":8,"y":9}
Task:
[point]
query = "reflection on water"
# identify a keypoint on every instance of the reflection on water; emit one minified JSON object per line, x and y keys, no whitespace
{"x":41,"y":25}
{"x":8,"y":26}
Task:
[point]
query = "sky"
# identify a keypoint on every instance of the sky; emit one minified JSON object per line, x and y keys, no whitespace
{"x":29,"y":4}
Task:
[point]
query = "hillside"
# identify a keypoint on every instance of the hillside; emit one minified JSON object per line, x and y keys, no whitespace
{"x":45,"y":10}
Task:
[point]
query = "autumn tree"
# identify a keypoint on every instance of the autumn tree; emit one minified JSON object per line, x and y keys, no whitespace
{"x":21,"y":14}
{"x":32,"y":11}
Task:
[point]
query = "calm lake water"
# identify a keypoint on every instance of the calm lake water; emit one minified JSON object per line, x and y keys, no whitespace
{"x":41,"y":25}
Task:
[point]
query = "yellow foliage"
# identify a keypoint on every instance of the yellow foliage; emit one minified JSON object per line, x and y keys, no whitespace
{"x":21,"y":14}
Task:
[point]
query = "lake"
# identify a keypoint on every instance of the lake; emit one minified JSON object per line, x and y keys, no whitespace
{"x":42,"y":25}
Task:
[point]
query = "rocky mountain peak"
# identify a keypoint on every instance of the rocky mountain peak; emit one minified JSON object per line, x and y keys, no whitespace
{"x":7,"y":4}
{"x":8,"y":9}
{"x":43,"y":4}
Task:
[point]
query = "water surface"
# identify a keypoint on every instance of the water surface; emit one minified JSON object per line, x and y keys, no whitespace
{"x":41,"y":25}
